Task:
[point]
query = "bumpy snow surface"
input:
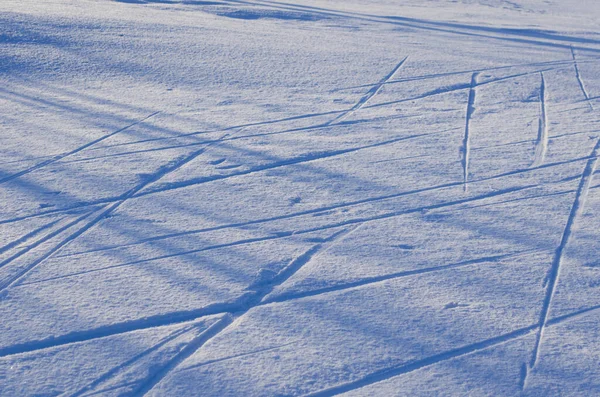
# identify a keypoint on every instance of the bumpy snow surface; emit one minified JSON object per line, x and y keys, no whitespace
{"x":263,"y":198}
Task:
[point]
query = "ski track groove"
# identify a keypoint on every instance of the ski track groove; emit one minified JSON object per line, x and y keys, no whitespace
{"x":240,"y":305}
{"x":557,"y":62}
{"x":292,"y":161}
{"x":341,"y":114}
{"x":69,"y":210}
{"x":104,"y":212}
{"x":286,"y":234}
{"x":321,"y":210}
{"x":109,"y":200}
{"x":457,"y":87}
{"x":233,"y":313}
{"x":330,"y":123}
{"x":302,"y":159}
{"x":175,"y":318}
{"x":295,"y":161}
{"x":391,"y":372}
{"x":285,"y":297}
{"x":113,"y":199}
{"x":117,"y":369}
{"x":369,"y":95}
{"x":553,"y":276}
{"x":225,"y":129}
{"x":262,"y":290}
{"x":466,"y":146}
{"x":388,"y":373}
{"x":218,"y":360}
{"x":189,"y":349}
{"x":72,"y":152}
{"x":42,"y":240}
{"x":233,"y":138}
{"x":27,"y":237}
{"x":149,"y":322}
{"x":24,"y":271}
{"x":580,"y":80}
{"x":542,"y":138}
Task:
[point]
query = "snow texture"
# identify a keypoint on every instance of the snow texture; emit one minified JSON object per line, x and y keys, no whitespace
{"x":266,"y":198}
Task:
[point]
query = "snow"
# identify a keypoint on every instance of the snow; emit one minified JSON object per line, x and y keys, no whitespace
{"x":240,"y":198}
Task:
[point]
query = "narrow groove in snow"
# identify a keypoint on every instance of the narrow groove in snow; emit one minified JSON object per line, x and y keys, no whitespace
{"x":369,"y":95}
{"x":542,"y":138}
{"x":466,"y":145}
{"x":554,"y":273}
{"x":580,"y":80}
{"x":74,"y":151}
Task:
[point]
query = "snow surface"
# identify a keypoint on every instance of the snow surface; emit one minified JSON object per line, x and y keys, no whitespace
{"x":260,"y":198}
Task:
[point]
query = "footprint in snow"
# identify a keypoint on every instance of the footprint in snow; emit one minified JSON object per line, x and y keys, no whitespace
{"x":454,"y":305}
{"x":295,"y":200}
{"x":216,"y":162}
{"x":404,"y":246}
{"x":229,"y":167}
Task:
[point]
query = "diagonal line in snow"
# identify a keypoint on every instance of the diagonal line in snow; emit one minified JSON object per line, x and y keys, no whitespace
{"x":369,"y":95}
{"x":554,"y":273}
{"x":74,"y":151}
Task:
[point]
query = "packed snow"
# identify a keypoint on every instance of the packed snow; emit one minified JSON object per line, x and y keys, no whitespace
{"x":317,"y":198}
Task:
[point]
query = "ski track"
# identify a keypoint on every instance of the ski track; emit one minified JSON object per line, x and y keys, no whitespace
{"x":72,"y":152}
{"x":542,"y":139}
{"x":104,"y":212}
{"x":27,"y":237}
{"x":260,"y":293}
{"x":580,"y":80}
{"x":182,"y":355}
{"x":230,"y":139}
{"x":391,"y":372}
{"x":330,"y":123}
{"x":557,"y":62}
{"x":369,"y":95}
{"x":230,"y":128}
{"x":64,"y":224}
{"x":262,"y":290}
{"x":321,"y":210}
{"x":238,"y":307}
{"x":119,"y":368}
{"x":22,"y":272}
{"x":302,"y":159}
{"x":284,"y":297}
{"x":233,"y":138}
{"x":457,"y":87}
{"x":286,"y":234}
{"x":218,"y":360}
{"x":109,"y":200}
{"x":118,"y":328}
{"x":466,"y":146}
{"x":209,"y":142}
{"x":554,"y":272}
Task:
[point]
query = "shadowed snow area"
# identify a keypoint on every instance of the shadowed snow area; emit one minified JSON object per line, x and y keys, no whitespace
{"x":309,"y":198}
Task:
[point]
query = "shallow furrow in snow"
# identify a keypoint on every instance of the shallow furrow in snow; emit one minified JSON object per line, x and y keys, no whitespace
{"x":103,"y":213}
{"x":542,"y":138}
{"x":261,"y":291}
{"x":553,"y":276}
{"x":580,"y":80}
{"x":369,"y":95}
{"x":389,"y":373}
{"x":72,"y":152}
{"x":466,"y":144}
